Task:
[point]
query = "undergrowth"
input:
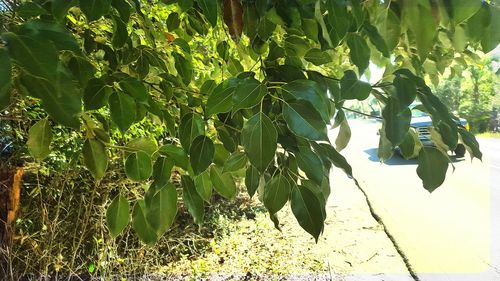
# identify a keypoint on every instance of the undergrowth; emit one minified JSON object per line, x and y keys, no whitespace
{"x":61,"y":231}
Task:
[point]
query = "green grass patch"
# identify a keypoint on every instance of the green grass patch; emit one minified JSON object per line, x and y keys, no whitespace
{"x":489,"y":135}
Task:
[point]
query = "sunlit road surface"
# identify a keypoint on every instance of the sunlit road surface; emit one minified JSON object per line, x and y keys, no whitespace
{"x":450,"y":234}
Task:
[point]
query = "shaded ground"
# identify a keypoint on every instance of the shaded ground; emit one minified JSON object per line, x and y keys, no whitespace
{"x":353,"y":246}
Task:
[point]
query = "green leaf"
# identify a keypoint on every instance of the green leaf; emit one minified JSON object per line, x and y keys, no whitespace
{"x":201,"y":154}
{"x":322,"y":152}
{"x":162,"y":209}
{"x":296,"y":46}
{"x":470,"y":143}
{"x":82,"y":69}
{"x":120,"y":33}
{"x":248,"y":94}
{"x":385,"y":148}
{"x":223,"y":183}
{"x":491,"y":35}
{"x":304,"y":120}
{"x":252,"y":179}
{"x":138,"y":166}
{"x":5,"y":76}
{"x":479,"y":23}
{"x":310,"y":91}
{"x":173,"y":21}
{"x":162,"y":170}
{"x":420,"y":20}
{"x":226,"y":138}
{"x":397,"y":121}
{"x":60,"y":8}
{"x":344,"y":136}
{"x":191,"y":126}
{"x":266,"y":29}
{"x":29,"y":9}
{"x":391,"y":30}
{"x":175,"y":153}
{"x":376,"y":39}
{"x":185,"y":4}
{"x":96,"y":94}
{"x":352,"y":88}
{"x":317,"y":57}
{"x":94,"y":9}
{"x":39,"y":139}
{"x":145,"y":144}
{"x":123,"y":8}
{"x":234,"y":66}
{"x":276,"y":193}
{"x":46,"y":31}
{"x":208,"y":87}
{"x":140,"y":224}
{"x":210,"y":10}
{"x":37,"y":57}
{"x":306,"y":208}
{"x":432,"y":167}
{"x":318,"y":16}
{"x":123,"y":110}
{"x":321,"y":191}
{"x":117,"y":215}
{"x":135,"y":88}
{"x":95,"y":158}
{"x":220,"y":100}
{"x":437,"y":139}
{"x":337,"y":159}
{"x":60,"y":98}
{"x":192,"y":199}
{"x":310,"y":28}
{"x":359,"y":51}
{"x":203,"y":185}
{"x":442,"y":120}
{"x":235,"y":162}
{"x":221,"y":155}
{"x":406,"y":90}
{"x":275,"y":220}
{"x":275,"y":51}
{"x":101,"y":135}
{"x":411,"y":145}
{"x":259,"y":139}
{"x":338,"y":20}
{"x":310,"y":163}
{"x":462,"y":10}
{"x":184,"y":68}
{"x":183,"y":44}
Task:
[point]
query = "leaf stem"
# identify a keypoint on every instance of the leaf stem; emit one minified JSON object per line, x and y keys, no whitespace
{"x":121,"y":147}
{"x":362,"y":113}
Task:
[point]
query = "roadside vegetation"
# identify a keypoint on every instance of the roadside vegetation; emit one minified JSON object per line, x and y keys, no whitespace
{"x":474,"y":94}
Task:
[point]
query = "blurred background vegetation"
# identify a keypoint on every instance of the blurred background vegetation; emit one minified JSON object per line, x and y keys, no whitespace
{"x":472,"y":93}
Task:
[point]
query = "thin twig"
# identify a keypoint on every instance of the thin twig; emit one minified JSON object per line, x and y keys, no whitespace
{"x":362,"y":113}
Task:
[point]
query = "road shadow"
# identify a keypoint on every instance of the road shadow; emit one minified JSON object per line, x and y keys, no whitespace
{"x":397,"y":159}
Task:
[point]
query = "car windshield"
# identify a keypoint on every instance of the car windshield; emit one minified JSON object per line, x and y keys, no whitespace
{"x":418,"y":113}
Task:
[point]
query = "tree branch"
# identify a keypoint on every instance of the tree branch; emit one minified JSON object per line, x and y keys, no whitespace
{"x":362,"y":113}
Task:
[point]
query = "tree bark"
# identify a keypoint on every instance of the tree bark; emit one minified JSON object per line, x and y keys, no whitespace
{"x":10,"y":195}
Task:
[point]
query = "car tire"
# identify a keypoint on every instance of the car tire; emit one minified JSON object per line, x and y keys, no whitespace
{"x":460,"y":150}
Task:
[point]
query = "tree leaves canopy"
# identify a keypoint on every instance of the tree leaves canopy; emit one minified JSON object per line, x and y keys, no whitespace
{"x":230,"y":81}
